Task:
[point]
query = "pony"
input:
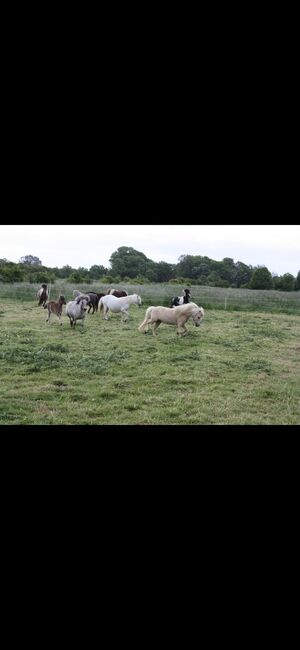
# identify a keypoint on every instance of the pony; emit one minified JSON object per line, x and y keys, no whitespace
{"x":119,"y":293}
{"x":55,"y":307}
{"x":181,"y":300}
{"x":117,"y":305}
{"x":42,"y":295}
{"x":94,"y":300}
{"x":76,"y":310}
{"x":172,"y":316}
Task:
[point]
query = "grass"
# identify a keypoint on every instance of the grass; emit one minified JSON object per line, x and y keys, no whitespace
{"x":161,"y":294}
{"x":238,"y":367}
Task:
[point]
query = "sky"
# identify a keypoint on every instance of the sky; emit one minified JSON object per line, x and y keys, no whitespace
{"x":277,"y":247}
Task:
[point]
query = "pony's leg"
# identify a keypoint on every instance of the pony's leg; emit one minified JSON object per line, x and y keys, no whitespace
{"x":144,"y":326}
{"x":48,"y":319}
{"x":155,"y":326}
{"x":105,"y":312}
{"x":125,"y":313}
{"x":181,"y":329}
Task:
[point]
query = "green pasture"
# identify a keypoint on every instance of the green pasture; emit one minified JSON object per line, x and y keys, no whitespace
{"x":287,"y":302}
{"x":238,"y":367}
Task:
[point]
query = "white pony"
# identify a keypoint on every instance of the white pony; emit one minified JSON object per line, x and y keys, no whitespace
{"x":117,"y":305}
{"x":172,"y":316}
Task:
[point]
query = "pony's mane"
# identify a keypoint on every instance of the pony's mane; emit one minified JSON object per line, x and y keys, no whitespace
{"x":188,"y":307}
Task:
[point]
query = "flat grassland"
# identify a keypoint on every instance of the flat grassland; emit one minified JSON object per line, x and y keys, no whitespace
{"x":241,"y":366}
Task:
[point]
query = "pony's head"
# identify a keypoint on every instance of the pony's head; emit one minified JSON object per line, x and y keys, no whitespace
{"x":138,"y":300}
{"x":83,"y":301}
{"x":197,"y":316}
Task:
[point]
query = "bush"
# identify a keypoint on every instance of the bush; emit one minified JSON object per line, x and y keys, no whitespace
{"x":77,"y":278}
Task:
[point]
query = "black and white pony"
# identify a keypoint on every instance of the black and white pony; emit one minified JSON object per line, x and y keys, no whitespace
{"x":182,"y":300}
{"x":42,"y":295}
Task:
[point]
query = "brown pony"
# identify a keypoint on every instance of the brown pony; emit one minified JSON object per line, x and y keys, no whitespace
{"x":55,"y":307}
{"x":119,"y":293}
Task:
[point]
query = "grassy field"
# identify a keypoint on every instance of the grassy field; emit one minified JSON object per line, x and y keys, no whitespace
{"x":238,"y":367}
{"x":161,"y":294}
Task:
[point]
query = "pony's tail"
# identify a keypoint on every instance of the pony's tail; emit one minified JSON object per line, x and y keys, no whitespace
{"x":100,"y":305}
{"x":146,"y":320}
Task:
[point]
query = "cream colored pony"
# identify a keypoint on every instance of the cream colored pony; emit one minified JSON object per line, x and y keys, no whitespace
{"x":117,"y":305}
{"x":154,"y":316}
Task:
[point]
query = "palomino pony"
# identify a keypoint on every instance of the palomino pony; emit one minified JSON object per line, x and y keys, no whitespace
{"x":172,"y":316}
{"x":117,"y":305}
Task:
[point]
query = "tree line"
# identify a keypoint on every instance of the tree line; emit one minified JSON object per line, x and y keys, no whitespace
{"x":132,"y":266}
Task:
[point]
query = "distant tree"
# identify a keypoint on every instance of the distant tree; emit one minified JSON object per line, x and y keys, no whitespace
{"x":297,"y":282}
{"x":198,"y":266}
{"x":227,"y":270}
{"x":163,"y":271}
{"x":44,"y":276}
{"x":77,"y":277}
{"x":11,"y":273}
{"x":190,"y":266}
{"x":285,"y":282}
{"x":126,"y":261}
{"x":201,"y":279}
{"x":261,"y":279}
{"x":150,"y":274}
{"x":187,"y":266}
{"x":243,"y":274}
{"x":30,"y":259}
{"x":108,"y":279}
{"x":214,"y":280}
{"x":83,"y":272}
{"x":66,"y":271}
{"x":97,"y":271}
{"x":202,"y":270}
{"x":276,"y":281}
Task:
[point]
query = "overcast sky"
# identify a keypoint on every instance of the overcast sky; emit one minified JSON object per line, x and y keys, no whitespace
{"x":277,"y":247}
